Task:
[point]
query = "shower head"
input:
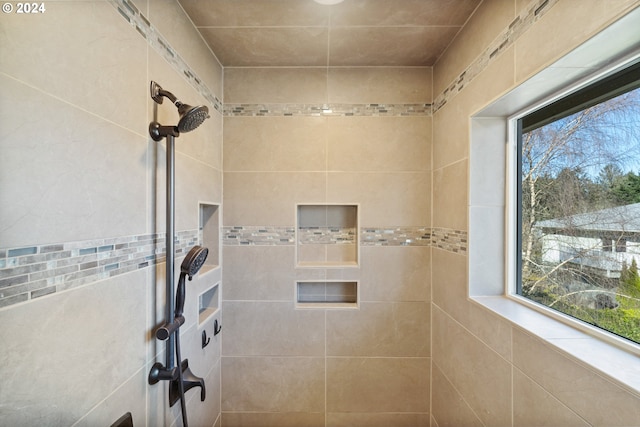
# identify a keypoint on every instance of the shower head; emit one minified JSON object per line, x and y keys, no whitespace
{"x":191,"y":117}
{"x":194,"y":261}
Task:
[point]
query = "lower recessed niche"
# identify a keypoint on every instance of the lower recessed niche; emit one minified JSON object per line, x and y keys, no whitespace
{"x":330,"y":294}
{"x":208,"y":303}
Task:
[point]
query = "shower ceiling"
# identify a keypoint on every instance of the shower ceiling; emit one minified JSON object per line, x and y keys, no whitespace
{"x":270,"y":33}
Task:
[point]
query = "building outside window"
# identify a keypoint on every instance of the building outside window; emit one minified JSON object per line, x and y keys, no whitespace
{"x":579,"y":204}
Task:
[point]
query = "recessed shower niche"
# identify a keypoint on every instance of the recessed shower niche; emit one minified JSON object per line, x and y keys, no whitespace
{"x":327,"y":236}
{"x":327,"y":294}
{"x":209,"y":223}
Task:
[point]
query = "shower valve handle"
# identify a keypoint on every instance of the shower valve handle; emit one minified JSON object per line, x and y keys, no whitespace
{"x":167,"y":329}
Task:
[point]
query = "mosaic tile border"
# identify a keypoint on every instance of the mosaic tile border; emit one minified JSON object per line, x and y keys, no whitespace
{"x":138,"y":21}
{"x":443,"y":238}
{"x":335,"y":110}
{"x":506,"y":39}
{"x":27,"y":273}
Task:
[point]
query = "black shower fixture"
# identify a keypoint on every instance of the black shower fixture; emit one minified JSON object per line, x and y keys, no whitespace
{"x":190,"y":117}
{"x":180,"y":376}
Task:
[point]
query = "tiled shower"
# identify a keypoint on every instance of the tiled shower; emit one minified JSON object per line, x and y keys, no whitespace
{"x":335,"y":213}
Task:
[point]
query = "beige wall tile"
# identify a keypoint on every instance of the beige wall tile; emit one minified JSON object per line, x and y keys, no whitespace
{"x":269,"y":198}
{"x":272,"y":329}
{"x":273,"y":419}
{"x":65,"y":188}
{"x":476,"y":371}
{"x":562,"y":28}
{"x":365,"y":384}
{"x":379,"y":144}
{"x":450,"y":196}
{"x":36,"y":356}
{"x":269,"y":275}
{"x":275,"y":143}
{"x":534,"y":407}
{"x":401,"y":199}
{"x":488,"y":21}
{"x":380,"y":329}
{"x":359,"y":419}
{"x":391,"y":273}
{"x":273,"y":384}
{"x":75,"y":59}
{"x":130,"y":395}
{"x":553,"y":371}
{"x":380,"y":85}
{"x":275,"y":85}
{"x":449,"y":408}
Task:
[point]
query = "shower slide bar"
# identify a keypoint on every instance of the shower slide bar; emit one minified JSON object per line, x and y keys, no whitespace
{"x":181,"y":377}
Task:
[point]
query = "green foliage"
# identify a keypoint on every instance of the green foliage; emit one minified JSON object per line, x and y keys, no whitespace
{"x":626,"y":190}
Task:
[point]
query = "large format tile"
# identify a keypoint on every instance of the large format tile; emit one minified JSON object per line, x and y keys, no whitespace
{"x":385,"y":198}
{"x":480,"y":375}
{"x":275,"y":144}
{"x":73,"y":176}
{"x":275,"y":85}
{"x":269,"y":198}
{"x":269,"y":276}
{"x":449,"y":408}
{"x":395,"y":273}
{"x":569,"y":382}
{"x":272,"y":329}
{"x":535,"y":407}
{"x":380,"y":85}
{"x":100,"y":68}
{"x":377,"y":384}
{"x":53,"y":347}
{"x":379,"y":144}
{"x":380,"y":329}
{"x":273,"y":384}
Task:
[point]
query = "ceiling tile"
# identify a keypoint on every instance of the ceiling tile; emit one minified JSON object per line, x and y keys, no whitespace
{"x":259,"y":33}
{"x":268,"y":47}
{"x":402,"y":12}
{"x":388,"y":46}
{"x":256,"y":13}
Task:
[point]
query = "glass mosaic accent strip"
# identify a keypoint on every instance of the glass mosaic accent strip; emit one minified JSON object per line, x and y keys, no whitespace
{"x":326,"y":235}
{"x":339,"y":110}
{"x":447,"y":239}
{"x":396,"y":236}
{"x":31,"y":272}
{"x":136,"y":19}
{"x":508,"y":36}
{"x":258,"y":236}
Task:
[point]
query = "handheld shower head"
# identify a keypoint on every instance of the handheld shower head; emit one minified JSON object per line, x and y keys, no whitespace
{"x":190,"y":266}
{"x":194,"y":260}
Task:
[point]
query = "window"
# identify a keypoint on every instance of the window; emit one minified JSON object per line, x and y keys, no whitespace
{"x":578,"y":204}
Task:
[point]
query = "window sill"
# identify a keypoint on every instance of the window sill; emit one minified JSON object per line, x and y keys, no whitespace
{"x":619,"y":365}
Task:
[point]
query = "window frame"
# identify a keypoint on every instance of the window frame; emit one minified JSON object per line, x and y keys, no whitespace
{"x":566,"y":101}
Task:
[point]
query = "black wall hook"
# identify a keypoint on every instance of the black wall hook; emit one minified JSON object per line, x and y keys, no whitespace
{"x":216,"y":328}
{"x":205,"y":339}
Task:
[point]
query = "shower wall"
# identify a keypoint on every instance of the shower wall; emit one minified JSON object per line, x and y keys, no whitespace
{"x":485,"y":370}
{"x":325,"y":137}
{"x":82,"y":210}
